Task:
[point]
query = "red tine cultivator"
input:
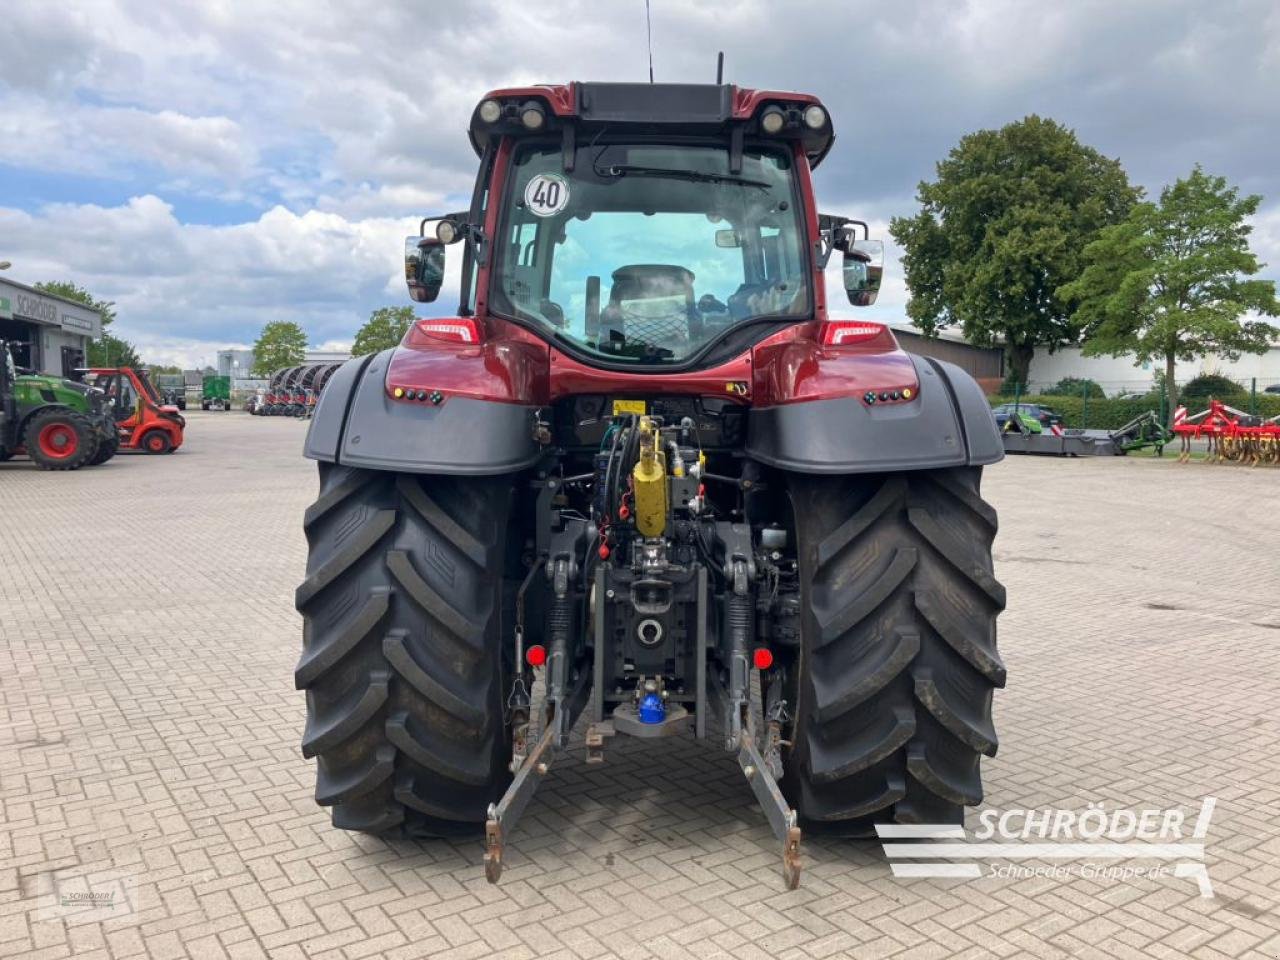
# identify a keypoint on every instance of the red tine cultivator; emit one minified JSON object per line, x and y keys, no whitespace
{"x":1232,"y":435}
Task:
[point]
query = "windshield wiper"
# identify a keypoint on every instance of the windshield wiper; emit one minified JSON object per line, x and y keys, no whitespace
{"x":694,"y":176}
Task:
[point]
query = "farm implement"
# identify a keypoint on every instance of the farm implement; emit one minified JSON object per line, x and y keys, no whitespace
{"x":1023,"y":434}
{"x":1233,"y":436}
{"x":293,"y":391}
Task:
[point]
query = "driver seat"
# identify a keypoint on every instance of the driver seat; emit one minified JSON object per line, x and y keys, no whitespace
{"x":640,"y":282}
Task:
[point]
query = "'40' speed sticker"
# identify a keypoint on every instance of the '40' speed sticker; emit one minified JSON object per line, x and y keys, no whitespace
{"x":546,"y":194}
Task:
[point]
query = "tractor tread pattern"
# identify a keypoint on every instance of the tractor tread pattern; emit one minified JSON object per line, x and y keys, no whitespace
{"x":440,"y":521}
{"x":323,"y":657}
{"x":978,"y":651}
{"x":456,"y":623}
{"x":336,"y":495}
{"x":892,"y":789}
{"x":398,"y":651}
{"x":959,"y":714}
{"x":898,"y":659}
{"x":955,"y":553}
{"x":883,"y":500}
{"x":877,"y":664}
{"x":834,"y":624}
{"x":351,"y":551}
{"x":872,"y":744}
{"x":326,"y":729}
{"x":407,"y":793}
{"x":455,"y":763}
{"x":402,"y":661}
{"x":331,"y":789}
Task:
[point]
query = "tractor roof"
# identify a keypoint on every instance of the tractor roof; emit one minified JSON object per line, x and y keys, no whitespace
{"x":718,"y":110}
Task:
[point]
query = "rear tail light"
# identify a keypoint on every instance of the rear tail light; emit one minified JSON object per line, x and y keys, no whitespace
{"x":840,"y":333}
{"x":451,"y":330}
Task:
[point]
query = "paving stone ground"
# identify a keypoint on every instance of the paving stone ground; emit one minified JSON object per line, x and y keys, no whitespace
{"x":149,"y":735}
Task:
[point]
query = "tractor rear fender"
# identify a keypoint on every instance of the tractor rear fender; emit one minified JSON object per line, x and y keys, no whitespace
{"x":947,"y":424}
{"x":357,"y":422}
{"x":25,"y":417}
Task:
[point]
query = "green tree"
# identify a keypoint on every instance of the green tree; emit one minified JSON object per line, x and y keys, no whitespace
{"x":111,"y":351}
{"x":1074,"y":387}
{"x":282,"y":344}
{"x":72,"y":291}
{"x":1002,"y":227}
{"x":1171,"y":282}
{"x":1208,"y":385}
{"x":385,"y":328}
{"x":107,"y":350}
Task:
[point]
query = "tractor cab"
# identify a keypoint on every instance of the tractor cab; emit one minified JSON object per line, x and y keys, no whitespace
{"x":144,"y":420}
{"x":651,"y":227}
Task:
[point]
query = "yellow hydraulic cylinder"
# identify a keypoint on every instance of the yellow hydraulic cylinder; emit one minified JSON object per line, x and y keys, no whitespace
{"x":649,"y":484}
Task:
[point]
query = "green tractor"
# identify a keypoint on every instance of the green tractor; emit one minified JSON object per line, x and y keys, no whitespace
{"x":59,"y":424}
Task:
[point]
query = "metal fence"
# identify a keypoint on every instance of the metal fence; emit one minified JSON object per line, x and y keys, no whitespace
{"x":1243,"y":386}
{"x":1107,"y":404}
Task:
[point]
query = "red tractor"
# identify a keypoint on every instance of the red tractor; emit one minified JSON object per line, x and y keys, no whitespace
{"x":642,"y":461}
{"x":145,"y":422}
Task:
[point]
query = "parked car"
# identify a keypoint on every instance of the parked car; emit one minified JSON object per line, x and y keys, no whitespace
{"x":1274,"y":388}
{"x":1045,"y":416}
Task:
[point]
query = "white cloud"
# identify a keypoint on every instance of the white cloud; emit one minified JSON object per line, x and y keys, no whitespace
{"x":111,"y":141}
{"x":339,"y":126}
{"x":182,"y":288}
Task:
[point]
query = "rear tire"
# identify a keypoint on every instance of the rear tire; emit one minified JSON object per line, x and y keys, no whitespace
{"x":892,"y":686}
{"x":108,"y":446}
{"x":60,"y":440}
{"x":405,"y":658}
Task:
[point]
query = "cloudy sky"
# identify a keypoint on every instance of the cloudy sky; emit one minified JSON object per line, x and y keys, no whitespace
{"x":211,"y":166}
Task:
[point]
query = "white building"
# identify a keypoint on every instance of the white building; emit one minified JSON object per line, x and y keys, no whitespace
{"x":46,"y":332}
{"x":236,"y":364}
{"x":1117,"y":374}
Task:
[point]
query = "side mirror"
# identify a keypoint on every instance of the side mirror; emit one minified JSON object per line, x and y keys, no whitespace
{"x":423,"y":267}
{"x":863,"y":269}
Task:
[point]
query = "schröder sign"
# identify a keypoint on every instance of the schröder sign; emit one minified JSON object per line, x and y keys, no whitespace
{"x":35,"y":308}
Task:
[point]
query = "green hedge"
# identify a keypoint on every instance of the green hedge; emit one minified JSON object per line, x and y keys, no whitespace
{"x":1111,"y":414}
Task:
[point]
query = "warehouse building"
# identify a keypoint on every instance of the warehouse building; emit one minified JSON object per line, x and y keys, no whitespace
{"x":46,"y":332}
{"x":984,"y":364}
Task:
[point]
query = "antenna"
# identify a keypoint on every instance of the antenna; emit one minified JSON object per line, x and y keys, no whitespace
{"x":719,"y":68}
{"x":648,"y":25}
